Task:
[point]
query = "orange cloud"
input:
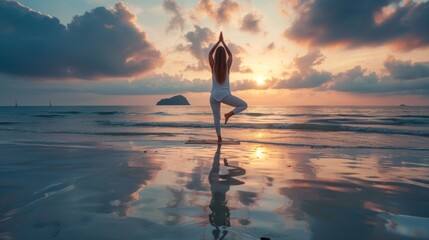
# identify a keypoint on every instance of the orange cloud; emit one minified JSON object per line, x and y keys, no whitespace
{"x":220,"y":13}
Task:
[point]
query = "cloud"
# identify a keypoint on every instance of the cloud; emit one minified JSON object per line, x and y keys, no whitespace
{"x":177,"y":21}
{"x":221,"y":13}
{"x":305,"y":63}
{"x":237,"y":63}
{"x":284,"y":7}
{"x":148,"y":85}
{"x":355,"y":80}
{"x":200,"y":41}
{"x":247,"y":84}
{"x":403,"y":77}
{"x":157,"y":84}
{"x":270,"y":47}
{"x":309,"y":80}
{"x":251,"y":23}
{"x":354,"y":23}
{"x":358,"y":80}
{"x":306,"y":76}
{"x":406,"y":69}
{"x":102,"y":43}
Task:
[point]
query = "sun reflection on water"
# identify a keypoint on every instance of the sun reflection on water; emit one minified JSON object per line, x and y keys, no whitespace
{"x":260,"y":135}
{"x":260,"y":152}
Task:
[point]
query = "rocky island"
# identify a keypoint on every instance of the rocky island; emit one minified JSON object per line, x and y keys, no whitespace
{"x":176,"y":100}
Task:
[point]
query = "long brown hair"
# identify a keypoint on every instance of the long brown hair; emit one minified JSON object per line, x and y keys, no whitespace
{"x":220,"y":65}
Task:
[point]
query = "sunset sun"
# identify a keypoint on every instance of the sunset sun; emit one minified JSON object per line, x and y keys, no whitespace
{"x":260,"y":80}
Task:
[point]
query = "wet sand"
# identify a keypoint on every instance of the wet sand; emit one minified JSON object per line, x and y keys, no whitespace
{"x":149,"y":190}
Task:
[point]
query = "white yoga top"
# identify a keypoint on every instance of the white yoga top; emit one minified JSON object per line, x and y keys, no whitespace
{"x":219,"y":91}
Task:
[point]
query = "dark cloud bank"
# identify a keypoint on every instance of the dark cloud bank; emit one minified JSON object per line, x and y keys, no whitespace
{"x":402,"y":78}
{"x":352,"y":23}
{"x":102,"y":43}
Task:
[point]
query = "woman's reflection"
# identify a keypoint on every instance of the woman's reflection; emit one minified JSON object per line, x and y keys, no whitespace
{"x":219,"y":185}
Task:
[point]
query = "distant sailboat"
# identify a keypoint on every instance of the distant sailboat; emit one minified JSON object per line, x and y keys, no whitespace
{"x":16,"y":103}
{"x":50,"y":104}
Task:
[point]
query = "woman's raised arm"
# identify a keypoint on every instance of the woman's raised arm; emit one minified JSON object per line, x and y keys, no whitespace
{"x":228,"y":51}
{"x":211,"y":60}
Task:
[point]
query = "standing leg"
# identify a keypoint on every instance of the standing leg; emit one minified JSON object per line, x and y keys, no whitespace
{"x":236,"y":102}
{"x":215,"y":105}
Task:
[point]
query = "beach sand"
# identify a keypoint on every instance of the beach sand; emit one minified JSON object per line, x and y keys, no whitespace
{"x":153,"y":190}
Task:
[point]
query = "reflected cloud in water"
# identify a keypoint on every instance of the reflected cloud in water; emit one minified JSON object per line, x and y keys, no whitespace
{"x":114,"y":190}
{"x":357,"y":206}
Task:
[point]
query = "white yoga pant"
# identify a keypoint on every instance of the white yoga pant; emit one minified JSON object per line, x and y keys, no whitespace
{"x":230,"y":100}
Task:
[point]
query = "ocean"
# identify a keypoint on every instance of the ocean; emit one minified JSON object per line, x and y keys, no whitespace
{"x":118,"y":172}
{"x":328,"y":127}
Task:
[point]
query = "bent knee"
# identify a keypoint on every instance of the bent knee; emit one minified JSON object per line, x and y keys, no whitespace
{"x":244,"y":106}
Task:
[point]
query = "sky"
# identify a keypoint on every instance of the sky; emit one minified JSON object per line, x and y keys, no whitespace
{"x":286,"y":52}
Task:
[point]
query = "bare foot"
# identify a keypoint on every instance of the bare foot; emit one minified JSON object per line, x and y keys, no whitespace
{"x":227,"y":116}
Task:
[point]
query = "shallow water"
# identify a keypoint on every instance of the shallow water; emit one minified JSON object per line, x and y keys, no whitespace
{"x":168,"y":190}
{"x":300,"y":173}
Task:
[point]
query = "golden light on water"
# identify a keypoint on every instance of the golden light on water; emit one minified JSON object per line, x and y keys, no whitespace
{"x":260,"y":152}
{"x":260,"y":135}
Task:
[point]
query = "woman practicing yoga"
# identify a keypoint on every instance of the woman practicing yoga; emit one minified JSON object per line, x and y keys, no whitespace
{"x":221,"y":91}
